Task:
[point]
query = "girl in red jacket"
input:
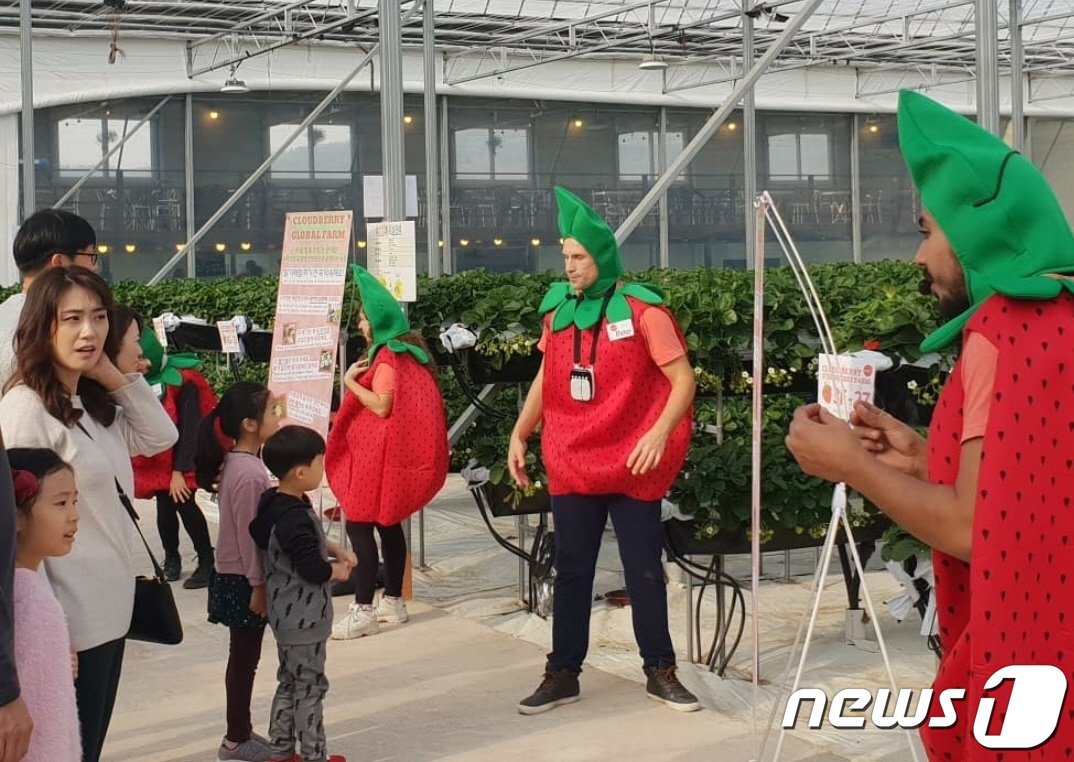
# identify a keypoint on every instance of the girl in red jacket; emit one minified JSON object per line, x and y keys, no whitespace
{"x":387,"y":452}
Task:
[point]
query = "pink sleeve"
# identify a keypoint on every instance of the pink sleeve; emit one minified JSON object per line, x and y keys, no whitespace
{"x":244,"y":502}
{"x":979,"y":357}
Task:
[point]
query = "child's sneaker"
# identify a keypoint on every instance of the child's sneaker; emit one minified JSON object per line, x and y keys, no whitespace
{"x":357,"y":622}
{"x":391,"y":610}
{"x":250,"y":750}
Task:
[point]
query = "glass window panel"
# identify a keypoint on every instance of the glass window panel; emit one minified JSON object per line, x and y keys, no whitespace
{"x":331,"y":151}
{"x":135,"y":158}
{"x":635,"y":157}
{"x":472,"y":158}
{"x":79,"y":144}
{"x":813,"y":154}
{"x":510,"y":154}
{"x":295,"y":161}
{"x":675,"y":144}
{"x":783,"y":156}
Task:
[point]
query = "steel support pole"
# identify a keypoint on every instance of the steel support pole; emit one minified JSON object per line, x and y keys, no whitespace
{"x":432,"y":146}
{"x":664,"y":255}
{"x":391,"y":111}
{"x":715,"y":121}
{"x":986,"y":21}
{"x":855,"y":188}
{"x":242,"y":189}
{"x":1018,"y":121}
{"x":111,"y":152}
{"x":445,"y":186}
{"x":188,"y":175}
{"x":29,"y":189}
{"x":749,"y":144}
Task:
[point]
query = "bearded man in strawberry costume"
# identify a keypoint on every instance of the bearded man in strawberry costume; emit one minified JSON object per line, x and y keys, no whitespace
{"x":613,"y":399}
{"x":991,"y":489}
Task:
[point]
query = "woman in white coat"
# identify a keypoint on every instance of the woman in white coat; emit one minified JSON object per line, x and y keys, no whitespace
{"x":67,"y":395}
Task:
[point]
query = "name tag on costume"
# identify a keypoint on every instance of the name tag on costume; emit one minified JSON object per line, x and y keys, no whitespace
{"x":623,"y":329}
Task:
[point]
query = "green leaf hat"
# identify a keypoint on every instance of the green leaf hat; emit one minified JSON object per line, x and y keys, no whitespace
{"x":998,"y":212}
{"x":163,"y":367}
{"x":577,"y":220}
{"x":386,"y":318}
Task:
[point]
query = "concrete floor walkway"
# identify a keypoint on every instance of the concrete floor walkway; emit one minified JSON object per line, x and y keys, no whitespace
{"x":445,"y":685}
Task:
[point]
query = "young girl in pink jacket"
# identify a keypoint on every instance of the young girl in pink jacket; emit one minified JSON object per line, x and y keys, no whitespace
{"x":46,"y":522}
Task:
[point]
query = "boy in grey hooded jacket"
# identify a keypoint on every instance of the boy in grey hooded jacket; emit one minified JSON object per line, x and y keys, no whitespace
{"x":298,"y":575}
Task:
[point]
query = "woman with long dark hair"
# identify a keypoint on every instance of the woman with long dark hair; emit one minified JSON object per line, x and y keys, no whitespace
{"x":67,"y":395}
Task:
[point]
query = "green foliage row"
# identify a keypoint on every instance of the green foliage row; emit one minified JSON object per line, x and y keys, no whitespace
{"x":875,"y":302}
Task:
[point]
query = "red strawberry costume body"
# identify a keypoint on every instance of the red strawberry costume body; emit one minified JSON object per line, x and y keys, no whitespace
{"x":585,"y":445}
{"x":1010,"y":605}
{"x":154,"y":474}
{"x":382,"y":470}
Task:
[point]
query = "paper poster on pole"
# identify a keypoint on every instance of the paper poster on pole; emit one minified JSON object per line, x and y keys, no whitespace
{"x":229,"y":337}
{"x":309,"y":304}
{"x":843,"y":380}
{"x":160,"y":331}
{"x":392,"y":257}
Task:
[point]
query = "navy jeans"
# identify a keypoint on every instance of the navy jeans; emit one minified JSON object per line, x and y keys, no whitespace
{"x":579,"y":525}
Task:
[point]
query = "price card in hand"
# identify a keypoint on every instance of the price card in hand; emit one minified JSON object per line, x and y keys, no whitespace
{"x":843,"y":380}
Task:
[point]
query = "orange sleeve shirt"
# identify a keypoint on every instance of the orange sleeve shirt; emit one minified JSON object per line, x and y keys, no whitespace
{"x":384,"y":379}
{"x":659,"y":333}
{"x":979,"y":357}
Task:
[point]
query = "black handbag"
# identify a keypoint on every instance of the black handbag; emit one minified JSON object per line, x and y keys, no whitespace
{"x":155,"y":618}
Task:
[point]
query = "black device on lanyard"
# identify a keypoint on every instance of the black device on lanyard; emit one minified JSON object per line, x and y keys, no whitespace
{"x":583,"y":378}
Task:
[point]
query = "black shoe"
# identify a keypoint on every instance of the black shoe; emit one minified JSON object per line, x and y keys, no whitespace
{"x":200,"y":577}
{"x":663,"y":685}
{"x":556,"y":689}
{"x":173,"y":567}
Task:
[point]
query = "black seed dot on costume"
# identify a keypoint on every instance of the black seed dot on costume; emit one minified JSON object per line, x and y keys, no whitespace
{"x":987,"y":575}
{"x":988,"y":616}
{"x":1025,"y":326}
{"x":1001,"y":435}
{"x":999,"y":396}
{"x":1011,"y":339}
{"x":1003,"y":474}
{"x":988,"y":656}
{"x":1003,"y":555}
{"x":1044,"y":345}
{"x":985,"y":533}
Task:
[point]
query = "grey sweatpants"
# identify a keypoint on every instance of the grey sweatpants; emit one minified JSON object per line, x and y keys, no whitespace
{"x":297,"y":718}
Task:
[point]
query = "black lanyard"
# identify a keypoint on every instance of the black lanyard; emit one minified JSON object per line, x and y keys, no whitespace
{"x":596,"y":333}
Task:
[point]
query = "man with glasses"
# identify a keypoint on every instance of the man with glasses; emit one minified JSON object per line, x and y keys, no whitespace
{"x":48,"y":238}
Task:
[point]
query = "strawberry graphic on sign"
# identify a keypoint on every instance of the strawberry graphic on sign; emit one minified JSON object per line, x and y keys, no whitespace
{"x":867,"y":371}
{"x":826,"y":394}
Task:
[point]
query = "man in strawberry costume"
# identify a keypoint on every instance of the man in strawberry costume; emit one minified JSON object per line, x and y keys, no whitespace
{"x":169,"y":476}
{"x":613,"y":399}
{"x":991,"y":489}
